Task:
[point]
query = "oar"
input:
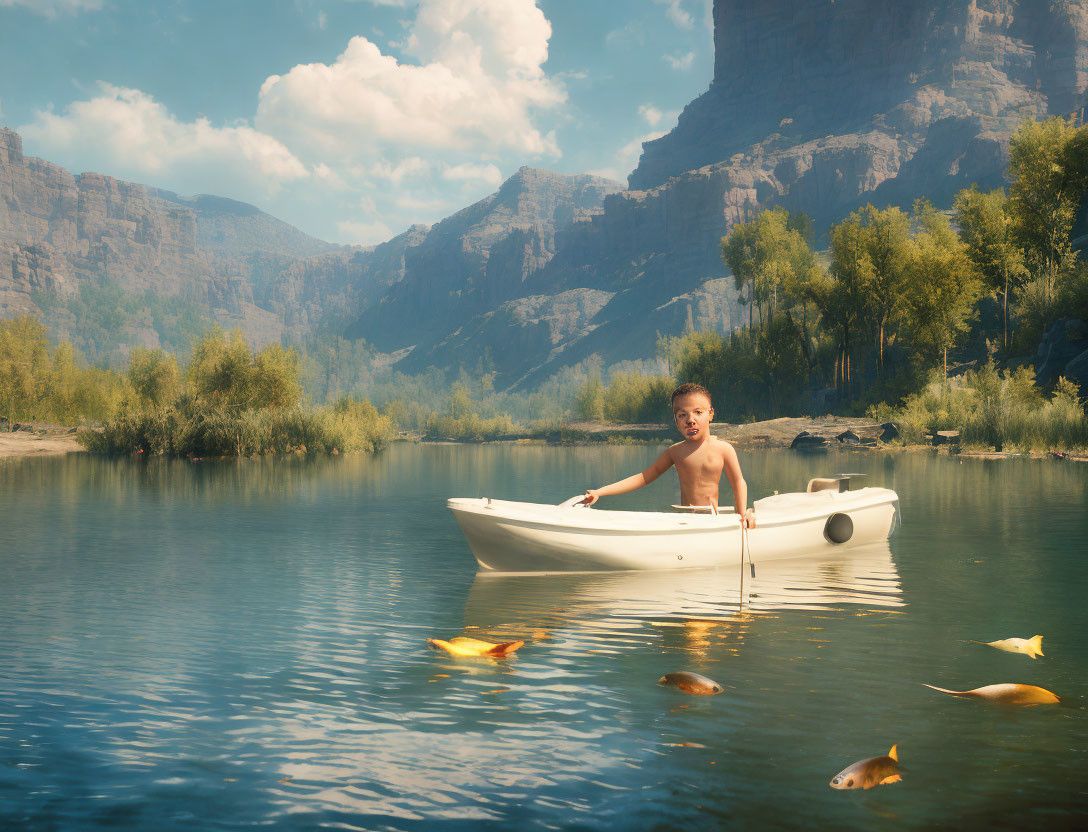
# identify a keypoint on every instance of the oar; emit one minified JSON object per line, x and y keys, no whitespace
{"x":745,"y":542}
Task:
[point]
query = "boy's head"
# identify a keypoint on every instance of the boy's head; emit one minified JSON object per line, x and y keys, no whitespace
{"x":692,"y":411}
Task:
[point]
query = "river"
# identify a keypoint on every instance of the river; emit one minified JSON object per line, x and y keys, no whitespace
{"x":238,"y":644}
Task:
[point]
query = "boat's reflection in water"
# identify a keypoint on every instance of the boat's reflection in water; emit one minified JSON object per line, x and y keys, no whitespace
{"x":612,"y":609}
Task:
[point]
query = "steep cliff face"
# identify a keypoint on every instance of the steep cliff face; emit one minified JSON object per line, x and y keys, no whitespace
{"x":64,"y":235}
{"x":811,"y":69}
{"x":229,"y":261}
{"x":818,"y":107}
{"x":477,"y":259}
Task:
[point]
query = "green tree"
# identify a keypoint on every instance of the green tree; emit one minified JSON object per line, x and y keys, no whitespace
{"x":986,"y":229}
{"x":1048,"y":165}
{"x":887,"y":241}
{"x":24,"y":367}
{"x":221,"y":372}
{"x":460,"y":405}
{"x":154,"y":376}
{"x":943,"y":286}
{"x":274,"y":379}
{"x":589,"y":401}
{"x":772,"y":259}
{"x":840,"y":296}
{"x":636,"y":398}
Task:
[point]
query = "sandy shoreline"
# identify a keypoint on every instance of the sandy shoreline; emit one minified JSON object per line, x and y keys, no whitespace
{"x":773,"y":433}
{"x":28,"y":444}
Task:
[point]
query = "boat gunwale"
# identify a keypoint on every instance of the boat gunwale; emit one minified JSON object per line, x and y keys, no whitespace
{"x":705,"y":523}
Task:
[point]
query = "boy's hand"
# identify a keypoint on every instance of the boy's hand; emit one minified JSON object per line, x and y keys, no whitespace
{"x":749,"y":519}
{"x":592,"y":496}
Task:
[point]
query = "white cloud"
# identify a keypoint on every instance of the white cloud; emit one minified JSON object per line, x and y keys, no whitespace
{"x":654,"y":117}
{"x":680,"y":62}
{"x":651,"y":114}
{"x":322,"y":20}
{"x":413,"y":166}
{"x":468,"y":172}
{"x":632,"y":33}
{"x":419,"y":132}
{"x":54,"y":8}
{"x":675,"y":11}
{"x":125,"y":132}
{"x":363,"y":233}
{"x":434,"y":207}
{"x":323,"y":173}
{"x":478,"y":80}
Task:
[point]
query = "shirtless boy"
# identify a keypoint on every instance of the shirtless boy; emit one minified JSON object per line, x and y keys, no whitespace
{"x":699,"y":459}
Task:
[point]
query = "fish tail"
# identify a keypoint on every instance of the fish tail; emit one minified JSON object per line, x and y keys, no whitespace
{"x":1036,"y":643}
{"x":945,"y":690}
{"x":505,"y":648}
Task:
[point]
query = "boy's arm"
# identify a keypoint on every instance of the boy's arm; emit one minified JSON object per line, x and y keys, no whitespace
{"x":739,"y":486}
{"x":659,"y":467}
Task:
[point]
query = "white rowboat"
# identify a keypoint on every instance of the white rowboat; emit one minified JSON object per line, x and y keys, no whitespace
{"x":517,"y":537}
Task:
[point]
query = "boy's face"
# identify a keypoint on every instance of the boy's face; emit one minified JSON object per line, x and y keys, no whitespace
{"x":693,"y":415}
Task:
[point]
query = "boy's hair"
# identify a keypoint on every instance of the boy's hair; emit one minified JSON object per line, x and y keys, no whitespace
{"x":689,"y":387}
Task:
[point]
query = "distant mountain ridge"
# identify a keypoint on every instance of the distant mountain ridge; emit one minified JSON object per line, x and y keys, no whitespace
{"x":817,"y":107}
{"x":244,"y":268}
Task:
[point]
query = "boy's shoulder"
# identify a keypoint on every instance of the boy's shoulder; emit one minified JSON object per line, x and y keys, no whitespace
{"x":713,"y":441}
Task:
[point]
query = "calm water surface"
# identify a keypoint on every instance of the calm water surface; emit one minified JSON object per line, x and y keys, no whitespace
{"x":232,"y":645}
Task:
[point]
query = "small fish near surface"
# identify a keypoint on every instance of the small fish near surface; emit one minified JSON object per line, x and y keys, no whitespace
{"x":694,"y":683}
{"x":462,"y":646}
{"x":864,"y":774}
{"x":1007,"y":693}
{"x":1028,"y":646}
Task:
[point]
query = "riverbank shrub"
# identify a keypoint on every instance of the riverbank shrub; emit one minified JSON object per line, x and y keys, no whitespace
{"x":472,"y":427}
{"x":994,"y":409}
{"x":193,"y":429}
{"x":45,"y":383}
{"x":634,"y":398}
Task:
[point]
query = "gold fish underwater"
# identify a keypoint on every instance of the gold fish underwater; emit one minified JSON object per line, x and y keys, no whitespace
{"x":462,"y":646}
{"x":864,"y":774}
{"x":1007,"y":694}
{"x":690,"y":682}
{"x":1028,"y":646}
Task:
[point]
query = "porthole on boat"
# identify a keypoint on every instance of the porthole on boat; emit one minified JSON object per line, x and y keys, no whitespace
{"x":839,"y":528}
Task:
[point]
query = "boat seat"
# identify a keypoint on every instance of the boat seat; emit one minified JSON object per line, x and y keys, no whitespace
{"x":824,"y":484}
{"x":706,"y":509}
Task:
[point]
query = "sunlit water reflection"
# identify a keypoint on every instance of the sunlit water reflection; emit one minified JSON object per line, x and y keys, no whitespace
{"x":225,"y":645}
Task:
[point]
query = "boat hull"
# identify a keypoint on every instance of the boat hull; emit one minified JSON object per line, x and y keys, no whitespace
{"x":515,"y":537}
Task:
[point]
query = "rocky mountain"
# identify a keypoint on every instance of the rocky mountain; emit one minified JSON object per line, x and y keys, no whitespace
{"x":63,"y":233}
{"x":820,"y":107}
{"x":479,"y":259}
{"x":814,"y":106}
{"x":66,"y":236}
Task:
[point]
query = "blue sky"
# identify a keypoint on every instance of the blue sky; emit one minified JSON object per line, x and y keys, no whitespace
{"x":351,"y":119}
